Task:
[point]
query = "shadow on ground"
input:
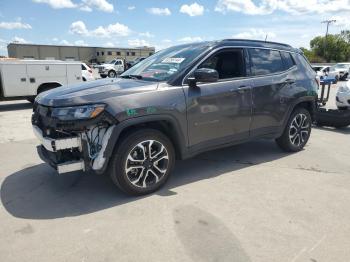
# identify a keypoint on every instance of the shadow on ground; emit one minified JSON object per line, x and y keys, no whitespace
{"x":38,"y":192}
{"x":15,"y":106}
{"x":343,"y":130}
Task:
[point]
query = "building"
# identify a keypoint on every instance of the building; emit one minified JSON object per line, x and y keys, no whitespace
{"x":77,"y":53}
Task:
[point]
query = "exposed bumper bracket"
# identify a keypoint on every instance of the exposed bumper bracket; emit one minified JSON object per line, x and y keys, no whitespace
{"x":54,"y":145}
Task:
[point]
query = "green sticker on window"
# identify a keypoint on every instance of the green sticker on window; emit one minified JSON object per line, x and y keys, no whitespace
{"x":131,"y":112}
{"x":151,"y":110}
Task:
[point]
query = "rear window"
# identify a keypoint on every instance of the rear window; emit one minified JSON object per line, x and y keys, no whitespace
{"x":288,"y":60}
{"x":265,"y":61}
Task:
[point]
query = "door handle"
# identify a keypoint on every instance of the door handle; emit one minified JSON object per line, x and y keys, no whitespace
{"x":289,"y":81}
{"x":240,"y":89}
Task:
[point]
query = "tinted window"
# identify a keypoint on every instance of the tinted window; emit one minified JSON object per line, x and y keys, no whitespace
{"x":265,"y":61}
{"x":118,"y":53}
{"x":288,"y":60}
{"x":109,"y":53}
{"x":229,"y":64}
{"x":83,"y":67}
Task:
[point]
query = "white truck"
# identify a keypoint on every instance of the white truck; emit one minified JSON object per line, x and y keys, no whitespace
{"x":112,"y":68}
{"x":25,"y":79}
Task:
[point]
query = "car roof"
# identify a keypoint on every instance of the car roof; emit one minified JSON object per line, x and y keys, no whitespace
{"x":245,"y":43}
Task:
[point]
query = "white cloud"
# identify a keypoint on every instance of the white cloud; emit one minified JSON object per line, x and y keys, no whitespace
{"x":192,"y":10}
{"x":101,"y":5}
{"x":138,"y":42}
{"x":78,"y":28}
{"x":146,"y":34}
{"x":86,"y":8}
{"x":342,"y":21}
{"x":65,"y":42}
{"x":55,"y":39}
{"x":256,"y":34}
{"x":19,"y":40}
{"x":57,"y":4}
{"x":109,"y":44}
{"x":263,"y":7}
{"x":80,"y":43}
{"x":190,"y":39}
{"x":132,"y":7}
{"x":84,"y":5}
{"x":159,"y":11}
{"x":111,"y":30}
{"x":14,"y":25}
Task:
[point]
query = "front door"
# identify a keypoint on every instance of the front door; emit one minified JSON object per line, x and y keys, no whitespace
{"x":220,"y":112}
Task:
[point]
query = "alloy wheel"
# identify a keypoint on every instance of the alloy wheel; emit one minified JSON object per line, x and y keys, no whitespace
{"x":299,"y":130}
{"x":147,"y":163}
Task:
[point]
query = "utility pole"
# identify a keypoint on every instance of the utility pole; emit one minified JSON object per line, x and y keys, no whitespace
{"x":328,"y":22}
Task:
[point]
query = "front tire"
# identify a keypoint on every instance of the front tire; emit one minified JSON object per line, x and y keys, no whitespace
{"x":112,"y":74}
{"x":142,"y":162}
{"x":297,"y":131}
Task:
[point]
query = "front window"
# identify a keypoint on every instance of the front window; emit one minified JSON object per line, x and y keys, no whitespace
{"x":112,"y":62}
{"x":166,"y":63}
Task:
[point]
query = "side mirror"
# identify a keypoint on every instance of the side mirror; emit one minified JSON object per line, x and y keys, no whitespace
{"x":204,"y":75}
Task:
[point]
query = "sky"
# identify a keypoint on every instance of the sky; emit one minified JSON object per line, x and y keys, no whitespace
{"x":163,"y":23}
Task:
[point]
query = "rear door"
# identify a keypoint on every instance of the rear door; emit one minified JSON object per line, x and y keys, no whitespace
{"x":272,"y":91}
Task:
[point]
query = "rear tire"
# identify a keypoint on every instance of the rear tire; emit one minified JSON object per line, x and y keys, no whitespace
{"x":297,"y":131}
{"x":142,"y":162}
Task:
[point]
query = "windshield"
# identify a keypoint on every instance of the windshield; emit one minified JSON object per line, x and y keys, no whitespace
{"x":111,"y":62}
{"x":166,"y":63}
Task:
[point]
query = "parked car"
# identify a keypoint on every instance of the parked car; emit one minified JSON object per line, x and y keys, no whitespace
{"x":24,"y":79}
{"x":180,"y":102}
{"x":95,"y":65}
{"x":112,"y":68}
{"x":136,"y":61}
{"x":86,"y":73}
{"x":325,"y":71}
{"x":343,"y":96}
{"x":343,"y":69}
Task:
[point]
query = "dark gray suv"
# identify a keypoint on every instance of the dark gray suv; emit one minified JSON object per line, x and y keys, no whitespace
{"x":177,"y":103}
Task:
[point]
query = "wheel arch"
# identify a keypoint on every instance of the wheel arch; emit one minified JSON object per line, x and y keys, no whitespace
{"x":46,"y":85}
{"x":163,"y":123}
{"x":309,"y":103}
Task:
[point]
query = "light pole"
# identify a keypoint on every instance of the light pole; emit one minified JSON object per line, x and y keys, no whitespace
{"x":328,"y":22}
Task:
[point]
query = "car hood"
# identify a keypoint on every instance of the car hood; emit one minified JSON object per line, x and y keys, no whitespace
{"x":94,"y":92}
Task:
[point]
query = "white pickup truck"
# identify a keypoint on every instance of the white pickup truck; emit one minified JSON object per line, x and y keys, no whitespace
{"x":25,"y":79}
{"x":112,"y":68}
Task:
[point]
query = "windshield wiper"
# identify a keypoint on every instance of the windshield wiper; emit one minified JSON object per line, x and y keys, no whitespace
{"x":132,"y":76}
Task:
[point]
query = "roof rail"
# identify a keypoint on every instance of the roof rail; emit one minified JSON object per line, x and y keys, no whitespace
{"x":256,"y":41}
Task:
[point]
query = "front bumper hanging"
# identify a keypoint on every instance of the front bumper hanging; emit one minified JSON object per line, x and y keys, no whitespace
{"x":50,"y":147}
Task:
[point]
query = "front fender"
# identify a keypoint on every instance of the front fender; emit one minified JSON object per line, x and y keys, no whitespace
{"x":179,"y":136}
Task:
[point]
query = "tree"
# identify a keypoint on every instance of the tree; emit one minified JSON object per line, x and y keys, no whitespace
{"x":337,"y":48}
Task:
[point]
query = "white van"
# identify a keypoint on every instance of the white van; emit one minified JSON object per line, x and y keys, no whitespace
{"x":25,"y":79}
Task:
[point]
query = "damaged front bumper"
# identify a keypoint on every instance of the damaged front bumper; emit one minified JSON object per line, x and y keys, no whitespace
{"x":76,"y":146}
{"x":72,"y":153}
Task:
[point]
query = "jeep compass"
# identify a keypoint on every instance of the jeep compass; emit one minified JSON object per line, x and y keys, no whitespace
{"x":175,"y":104}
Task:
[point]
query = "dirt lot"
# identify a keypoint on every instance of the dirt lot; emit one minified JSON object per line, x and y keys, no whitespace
{"x":244,"y":203}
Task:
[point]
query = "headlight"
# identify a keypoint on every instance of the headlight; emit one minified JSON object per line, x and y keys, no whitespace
{"x":78,"y":112}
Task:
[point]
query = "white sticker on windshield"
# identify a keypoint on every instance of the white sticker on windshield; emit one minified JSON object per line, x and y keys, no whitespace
{"x":174,"y":60}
